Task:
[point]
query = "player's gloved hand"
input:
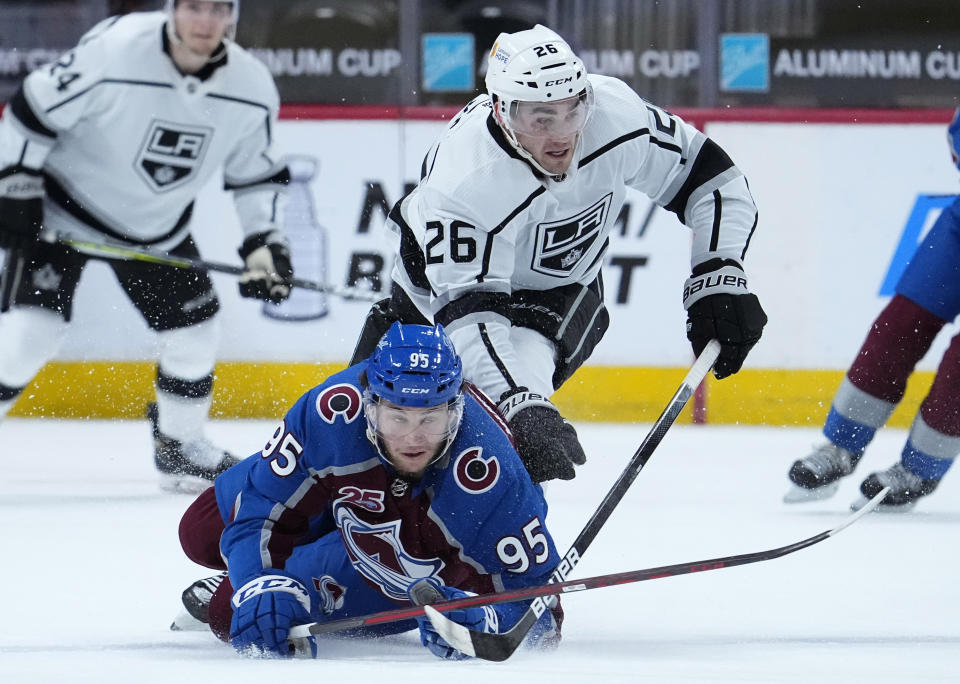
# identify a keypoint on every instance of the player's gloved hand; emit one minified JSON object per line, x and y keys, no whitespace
{"x":719,"y":306}
{"x":479,"y":619}
{"x":268,"y":273}
{"x":264,"y":609}
{"x":21,"y":208}
{"x":546,"y":442}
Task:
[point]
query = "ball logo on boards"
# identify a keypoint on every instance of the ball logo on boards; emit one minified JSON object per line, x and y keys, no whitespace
{"x":171,"y":154}
{"x":448,"y":62}
{"x":745,"y":62}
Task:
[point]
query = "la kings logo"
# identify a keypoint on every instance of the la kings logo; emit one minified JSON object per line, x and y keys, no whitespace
{"x":171,"y":154}
{"x":562,"y":244}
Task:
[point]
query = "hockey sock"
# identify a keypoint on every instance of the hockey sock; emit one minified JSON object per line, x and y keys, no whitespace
{"x":928,"y":454}
{"x":29,"y":337}
{"x":8,"y":397}
{"x":183,"y":406}
{"x":854,"y":417}
{"x":185,"y":379}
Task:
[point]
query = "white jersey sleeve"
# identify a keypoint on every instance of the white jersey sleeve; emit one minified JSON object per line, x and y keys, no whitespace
{"x":254,"y":171}
{"x":46,"y":105}
{"x":684,"y":171}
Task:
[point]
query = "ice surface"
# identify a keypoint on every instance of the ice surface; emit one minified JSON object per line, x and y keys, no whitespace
{"x":92,"y":571}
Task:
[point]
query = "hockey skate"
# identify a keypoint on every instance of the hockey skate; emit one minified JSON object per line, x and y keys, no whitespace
{"x":186,"y":466}
{"x":905,"y":489}
{"x":195,"y":614}
{"x":817,"y":476}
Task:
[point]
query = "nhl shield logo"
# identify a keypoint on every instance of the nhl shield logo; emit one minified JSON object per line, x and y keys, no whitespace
{"x":171,"y":154}
{"x":562,"y":244}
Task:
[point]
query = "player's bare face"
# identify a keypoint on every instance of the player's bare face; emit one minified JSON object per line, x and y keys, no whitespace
{"x":553,"y":154}
{"x":413,"y":437}
{"x":202,"y":25}
{"x":549,"y":130}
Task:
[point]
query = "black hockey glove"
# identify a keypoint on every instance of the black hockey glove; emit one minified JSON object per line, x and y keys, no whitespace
{"x":21,"y":208}
{"x":719,"y":306}
{"x":268,"y":271}
{"x":546,"y":442}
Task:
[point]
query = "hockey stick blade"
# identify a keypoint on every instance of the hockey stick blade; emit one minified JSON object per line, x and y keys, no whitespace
{"x":499,"y":647}
{"x":436,"y":610}
{"x":106,"y":250}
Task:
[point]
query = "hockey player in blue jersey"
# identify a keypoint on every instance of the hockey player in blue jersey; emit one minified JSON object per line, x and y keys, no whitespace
{"x":927,"y":298}
{"x":391,"y":473}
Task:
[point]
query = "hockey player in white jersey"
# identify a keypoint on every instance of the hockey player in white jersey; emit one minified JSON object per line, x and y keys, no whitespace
{"x":111,"y":143}
{"x":503,"y":239}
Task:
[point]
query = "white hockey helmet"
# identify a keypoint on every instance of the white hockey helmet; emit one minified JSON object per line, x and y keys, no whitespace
{"x":537,"y":66}
{"x":231,"y":32}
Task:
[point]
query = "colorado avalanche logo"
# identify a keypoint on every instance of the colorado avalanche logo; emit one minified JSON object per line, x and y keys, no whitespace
{"x":339,"y":400}
{"x":473,"y":473}
{"x":331,"y":593}
{"x":377,"y":553}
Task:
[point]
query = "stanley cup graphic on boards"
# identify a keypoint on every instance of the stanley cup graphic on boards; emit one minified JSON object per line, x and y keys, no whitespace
{"x":308,"y":246}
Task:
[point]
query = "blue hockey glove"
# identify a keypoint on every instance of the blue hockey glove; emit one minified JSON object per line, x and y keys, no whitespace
{"x":264,"y":609}
{"x":479,"y":619}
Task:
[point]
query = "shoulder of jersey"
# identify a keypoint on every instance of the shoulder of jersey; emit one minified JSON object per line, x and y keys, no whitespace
{"x":249,"y":75}
{"x":122,"y":38}
{"x":618,"y":108}
{"x":338,"y":400}
{"x":482,"y":429}
{"x":470,"y":165}
{"x":349,"y":376}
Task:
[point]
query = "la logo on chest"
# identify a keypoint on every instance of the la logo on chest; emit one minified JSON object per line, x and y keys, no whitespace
{"x":561,"y":244}
{"x":172,"y":154}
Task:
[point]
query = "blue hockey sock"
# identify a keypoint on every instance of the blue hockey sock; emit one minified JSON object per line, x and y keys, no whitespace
{"x":923,"y":465}
{"x":846,"y":433}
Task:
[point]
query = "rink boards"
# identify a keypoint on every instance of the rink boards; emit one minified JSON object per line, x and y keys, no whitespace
{"x":111,"y":389}
{"x":841,"y":200}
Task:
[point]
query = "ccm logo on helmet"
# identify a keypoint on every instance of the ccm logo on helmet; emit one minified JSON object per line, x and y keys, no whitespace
{"x":414,"y":390}
{"x":559,"y":81}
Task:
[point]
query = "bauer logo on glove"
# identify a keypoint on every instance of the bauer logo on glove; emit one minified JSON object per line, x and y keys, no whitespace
{"x":728,"y":279}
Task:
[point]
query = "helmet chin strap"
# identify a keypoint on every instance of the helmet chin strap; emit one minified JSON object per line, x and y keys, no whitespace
{"x":521,"y":150}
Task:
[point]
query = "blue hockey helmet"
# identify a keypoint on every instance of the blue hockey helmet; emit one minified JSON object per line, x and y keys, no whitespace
{"x":415,"y":365}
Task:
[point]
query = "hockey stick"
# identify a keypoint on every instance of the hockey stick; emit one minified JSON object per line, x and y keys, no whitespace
{"x":498,"y":647}
{"x":571,"y":586}
{"x":105,"y":250}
